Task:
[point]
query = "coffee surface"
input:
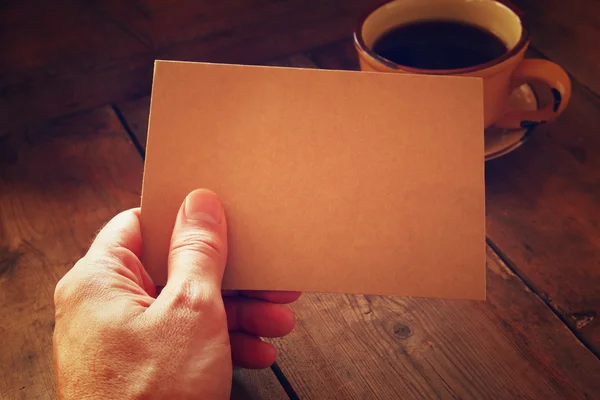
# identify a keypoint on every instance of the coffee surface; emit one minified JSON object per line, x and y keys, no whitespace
{"x":439,"y":45}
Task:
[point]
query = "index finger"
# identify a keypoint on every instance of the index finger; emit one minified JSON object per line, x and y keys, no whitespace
{"x":120,"y":241}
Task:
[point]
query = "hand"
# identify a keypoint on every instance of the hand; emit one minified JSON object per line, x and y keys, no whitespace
{"x":116,"y":338}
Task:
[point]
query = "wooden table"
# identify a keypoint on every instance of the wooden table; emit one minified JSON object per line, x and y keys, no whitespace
{"x":74,"y":84}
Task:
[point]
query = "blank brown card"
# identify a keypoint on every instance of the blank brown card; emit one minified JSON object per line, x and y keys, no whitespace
{"x":332,"y":181}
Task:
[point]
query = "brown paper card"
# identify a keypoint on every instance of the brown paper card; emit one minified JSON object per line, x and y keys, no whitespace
{"x":332,"y":181}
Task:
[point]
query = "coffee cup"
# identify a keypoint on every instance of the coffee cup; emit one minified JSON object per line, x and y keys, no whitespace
{"x":473,"y":38}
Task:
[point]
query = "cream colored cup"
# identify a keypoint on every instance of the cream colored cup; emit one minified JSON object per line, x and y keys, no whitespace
{"x":500,"y":76}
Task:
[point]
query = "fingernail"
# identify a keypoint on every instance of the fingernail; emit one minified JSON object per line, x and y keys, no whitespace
{"x":203,"y":205}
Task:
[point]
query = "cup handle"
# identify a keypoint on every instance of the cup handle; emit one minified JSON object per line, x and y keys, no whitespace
{"x":548,"y":73}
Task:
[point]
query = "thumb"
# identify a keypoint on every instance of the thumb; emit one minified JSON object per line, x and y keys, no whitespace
{"x":198,"y":250}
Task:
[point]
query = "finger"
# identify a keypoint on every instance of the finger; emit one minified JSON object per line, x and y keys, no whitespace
{"x":259,"y":318}
{"x":198,"y":250}
{"x":120,"y":242}
{"x":272,"y":296}
{"x":250,"y":352}
{"x":123,"y":230}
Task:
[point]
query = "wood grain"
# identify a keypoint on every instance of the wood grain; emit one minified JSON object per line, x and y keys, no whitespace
{"x":58,"y":186}
{"x":106,"y":52}
{"x":511,"y":346}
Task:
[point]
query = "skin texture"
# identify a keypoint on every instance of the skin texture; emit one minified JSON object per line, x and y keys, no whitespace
{"x":117,"y":337}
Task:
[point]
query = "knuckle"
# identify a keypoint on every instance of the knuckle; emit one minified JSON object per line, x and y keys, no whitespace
{"x":68,"y":286}
{"x":124,"y":262}
{"x":197,"y":242}
{"x":61,"y":292}
{"x":197,"y":297}
{"x":121,"y":255}
{"x":115,"y":261}
{"x":78,"y":284}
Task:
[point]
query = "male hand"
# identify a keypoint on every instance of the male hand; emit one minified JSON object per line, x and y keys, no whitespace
{"x":116,"y":338}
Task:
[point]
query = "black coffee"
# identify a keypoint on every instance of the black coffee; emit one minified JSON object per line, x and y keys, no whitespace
{"x":439,"y":45}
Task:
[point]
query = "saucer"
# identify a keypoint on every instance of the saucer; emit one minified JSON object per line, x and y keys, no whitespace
{"x":499,"y":141}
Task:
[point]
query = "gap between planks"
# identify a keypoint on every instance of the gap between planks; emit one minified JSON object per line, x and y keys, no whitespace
{"x":138,"y":146}
{"x":513,"y":268}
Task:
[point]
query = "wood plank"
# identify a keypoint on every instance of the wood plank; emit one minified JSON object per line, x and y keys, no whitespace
{"x":40,"y":85}
{"x":543,"y":205}
{"x":568,"y":33}
{"x":136,"y":113}
{"x":58,"y":186}
{"x":511,"y":346}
